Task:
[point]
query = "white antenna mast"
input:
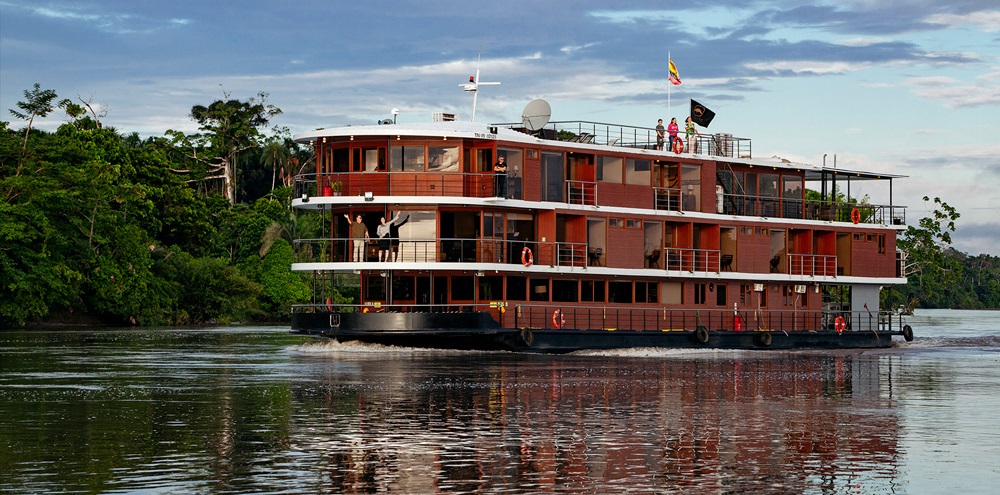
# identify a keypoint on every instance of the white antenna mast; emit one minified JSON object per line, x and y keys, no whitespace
{"x":473,"y":86}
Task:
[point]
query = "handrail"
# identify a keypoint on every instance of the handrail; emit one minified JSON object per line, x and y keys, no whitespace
{"x":624,"y":316}
{"x":441,"y":249}
{"x":692,"y":260}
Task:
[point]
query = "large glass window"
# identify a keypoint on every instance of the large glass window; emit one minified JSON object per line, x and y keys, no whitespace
{"x":416,"y":235}
{"x":609,"y":169}
{"x":539,"y":289}
{"x":592,"y":290}
{"x":691,"y":186}
{"x":516,"y":289}
{"x":769,"y":185}
{"x":406,"y":158}
{"x":637,"y":171}
{"x":620,"y":292}
{"x":442,"y":158}
{"x":564,"y":290}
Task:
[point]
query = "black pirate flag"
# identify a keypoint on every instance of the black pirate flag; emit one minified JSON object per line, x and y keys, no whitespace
{"x":700,"y":114}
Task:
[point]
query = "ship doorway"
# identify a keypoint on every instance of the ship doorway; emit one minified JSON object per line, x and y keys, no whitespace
{"x":597,"y":235}
{"x":553,"y":177}
{"x":459,"y":232}
{"x":423,"y":292}
{"x":779,"y":252}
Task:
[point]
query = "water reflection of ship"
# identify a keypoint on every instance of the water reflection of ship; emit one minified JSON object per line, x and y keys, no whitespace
{"x":446,"y":424}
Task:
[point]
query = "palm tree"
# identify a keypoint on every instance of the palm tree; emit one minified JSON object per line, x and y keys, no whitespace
{"x":276,"y":156}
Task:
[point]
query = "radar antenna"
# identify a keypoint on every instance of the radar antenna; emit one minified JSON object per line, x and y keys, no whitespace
{"x":473,"y":86}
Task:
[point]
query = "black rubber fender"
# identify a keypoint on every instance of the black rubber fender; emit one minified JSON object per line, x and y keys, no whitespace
{"x":907,"y":333}
{"x":764,"y":339}
{"x":527,"y":337}
{"x":701,"y":334}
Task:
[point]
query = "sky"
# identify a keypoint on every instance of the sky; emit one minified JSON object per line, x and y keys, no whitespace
{"x":908,"y":87}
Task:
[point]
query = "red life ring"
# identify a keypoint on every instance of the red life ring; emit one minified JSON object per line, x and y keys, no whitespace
{"x":526,"y":258}
{"x":329,"y":304}
{"x":855,"y":215}
{"x":678,"y":146}
{"x":558,"y":318}
{"x":840,"y":324}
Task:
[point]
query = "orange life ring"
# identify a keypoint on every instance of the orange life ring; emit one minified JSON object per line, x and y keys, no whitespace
{"x":526,"y":258}
{"x":558,"y":318}
{"x":840,"y":324}
{"x":678,"y":146}
{"x":855,"y":215}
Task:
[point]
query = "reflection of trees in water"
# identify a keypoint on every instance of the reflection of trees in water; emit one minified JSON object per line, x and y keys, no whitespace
{"x":476,"y":422}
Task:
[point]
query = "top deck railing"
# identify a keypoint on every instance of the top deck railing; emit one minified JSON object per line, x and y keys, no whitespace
{"x":582,"y":131}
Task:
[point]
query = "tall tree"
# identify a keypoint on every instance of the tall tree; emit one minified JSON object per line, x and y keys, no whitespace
{"x":933,"y":272}
{"x":37,"y":103}
{"x":229,"y":127}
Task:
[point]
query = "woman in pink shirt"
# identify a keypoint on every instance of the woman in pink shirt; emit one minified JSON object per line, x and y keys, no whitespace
{"x":672,"y":130}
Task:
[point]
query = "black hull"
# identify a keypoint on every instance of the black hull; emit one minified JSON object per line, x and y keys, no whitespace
{"x":478,"y":331}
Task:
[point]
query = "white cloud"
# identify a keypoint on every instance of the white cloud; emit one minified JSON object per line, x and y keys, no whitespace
{"x":956,"y":94}
{"x":986,"y":20}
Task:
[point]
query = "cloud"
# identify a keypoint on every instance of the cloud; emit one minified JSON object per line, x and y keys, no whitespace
{"x":983,"y":91}
{"x":987,"y":20}
{"x":108,"y":22}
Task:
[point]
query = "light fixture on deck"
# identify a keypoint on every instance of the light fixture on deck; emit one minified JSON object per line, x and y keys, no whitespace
{"x":305,"y":197}
{"x":369,"y":196}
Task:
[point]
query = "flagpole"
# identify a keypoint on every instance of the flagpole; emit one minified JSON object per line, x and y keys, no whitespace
{"x":669,"y":84}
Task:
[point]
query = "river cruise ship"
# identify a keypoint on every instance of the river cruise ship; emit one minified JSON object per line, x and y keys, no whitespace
{"x":596,"y":237}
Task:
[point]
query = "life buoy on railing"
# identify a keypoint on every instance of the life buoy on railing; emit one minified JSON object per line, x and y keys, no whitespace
{"x":678,"y":146}
{"x":558,"y":318}
{"x":329,"y":304}
{"x":840,"y":324}
{"x":855,"y":215}
{"x":526,"y":258}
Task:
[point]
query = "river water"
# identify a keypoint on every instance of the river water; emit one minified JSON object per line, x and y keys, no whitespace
{"x":257,"y":410}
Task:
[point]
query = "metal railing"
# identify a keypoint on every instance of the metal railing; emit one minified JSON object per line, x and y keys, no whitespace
{"x":580,"y":192}
{"x":397,"y":183}
{"x":582,"y":131}
{"x":772,"y":207}
{"x":447,"y":250}
{"x":692,"y":260}
{"x":812,"y":265}
{"x":516,"y":315}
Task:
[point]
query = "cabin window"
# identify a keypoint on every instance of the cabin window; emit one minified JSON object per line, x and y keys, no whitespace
{"x":690,"y":187}
{"x":609,"y":169}
{"x":769,"y":185}
{"x":375,"y":288}
{"x":637,"y":172}
{"x":416,"y":235}
{"x":539,"y":289}
{"x":673,"y":292}
{"x":592,"y":290}
{"x":646,"y":292}
{"x":791,"y":186}
{"x":341,"y":160}
{"x":620,"y":292}
{"x":699,"y":293}
{"x":633,"y":224}
{"x":442,"y":158}
{"x":462,"y":288}
{"x":516,"y":289}
{"x":402,"y":288}
{"x":531,"y":154}
{"x":484,"y":159}
{"x":881,"y":244}
{"x":490,"y":287}
{"x":407,"y":158}
{"x":720,"y":295}
{"x":565,"y":291}
{"x":369,"y":159}
{"x":616,"y":222}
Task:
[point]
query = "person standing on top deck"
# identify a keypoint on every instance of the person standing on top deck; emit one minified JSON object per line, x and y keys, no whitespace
{"x":672,"y":129}
{"x":661,"y":134}
{"x":359,"y":238}
{"x":500,"y":179}
{"x":690,"y":131}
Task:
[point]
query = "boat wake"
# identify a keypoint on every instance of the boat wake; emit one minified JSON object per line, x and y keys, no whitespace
{"x":941,"y":342}
{"x":333,"y":346}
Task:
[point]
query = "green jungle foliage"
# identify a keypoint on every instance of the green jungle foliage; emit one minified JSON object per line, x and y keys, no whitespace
{"x":99,"y":226}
